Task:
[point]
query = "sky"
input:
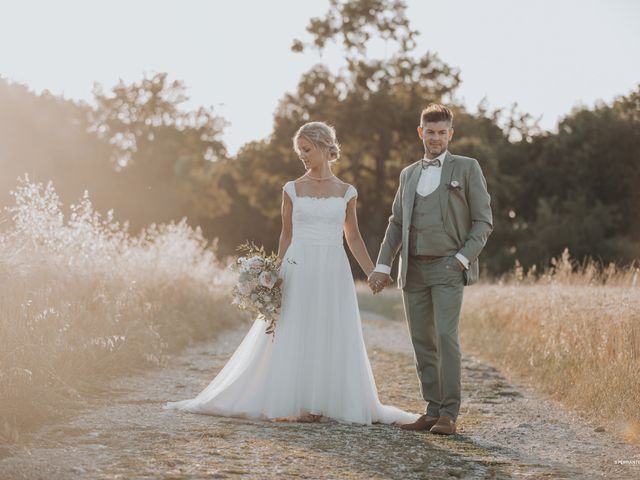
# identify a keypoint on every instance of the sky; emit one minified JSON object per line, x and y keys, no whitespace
{"x":548,"y":56}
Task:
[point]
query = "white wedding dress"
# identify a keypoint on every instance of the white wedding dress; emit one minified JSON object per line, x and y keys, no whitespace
{"x":317,"y":362}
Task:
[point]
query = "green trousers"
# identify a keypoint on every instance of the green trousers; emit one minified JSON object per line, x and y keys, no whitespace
{"x":432,"y":298}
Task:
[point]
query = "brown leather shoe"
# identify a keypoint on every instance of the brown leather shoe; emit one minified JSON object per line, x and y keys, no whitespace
{"x":425,"y":422}
{"x":444,"y":426}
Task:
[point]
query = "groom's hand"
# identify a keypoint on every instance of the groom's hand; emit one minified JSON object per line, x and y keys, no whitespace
{"x":460,"y":265}
{"x":378,"y":281}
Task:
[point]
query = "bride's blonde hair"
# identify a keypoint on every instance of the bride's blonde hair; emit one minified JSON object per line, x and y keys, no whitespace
{"x":322,"y":136}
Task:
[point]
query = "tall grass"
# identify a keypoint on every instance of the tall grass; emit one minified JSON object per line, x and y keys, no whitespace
{"x":82,"y":300}
{"x":572,"y":331}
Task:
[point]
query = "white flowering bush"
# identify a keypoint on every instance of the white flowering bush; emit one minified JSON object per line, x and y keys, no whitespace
{"x":81,"y":299}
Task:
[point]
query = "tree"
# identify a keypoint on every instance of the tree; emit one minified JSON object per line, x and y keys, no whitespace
{"x":165,"y":156}
{"x":45,"y":136}
{"x":579,"y":186}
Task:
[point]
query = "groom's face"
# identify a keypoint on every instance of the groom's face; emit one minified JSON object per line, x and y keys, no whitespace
{"x":435,"y":137}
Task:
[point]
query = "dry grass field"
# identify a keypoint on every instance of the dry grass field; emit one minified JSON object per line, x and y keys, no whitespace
{"x":573,"y":333}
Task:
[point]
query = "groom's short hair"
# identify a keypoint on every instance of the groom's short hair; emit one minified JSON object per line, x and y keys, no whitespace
{"x":436,"y":112}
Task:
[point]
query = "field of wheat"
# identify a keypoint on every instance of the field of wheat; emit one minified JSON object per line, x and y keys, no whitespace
{"x":82,"y":300}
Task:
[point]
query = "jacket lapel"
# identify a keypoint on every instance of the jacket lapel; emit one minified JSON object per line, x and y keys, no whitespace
{"x":445,"y":180}
{"x":409,"y":194}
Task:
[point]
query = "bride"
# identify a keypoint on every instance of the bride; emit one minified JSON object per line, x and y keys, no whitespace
{"x":316,"y":367}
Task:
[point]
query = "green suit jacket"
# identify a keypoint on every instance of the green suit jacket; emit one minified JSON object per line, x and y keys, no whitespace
{"x":466,"y":212}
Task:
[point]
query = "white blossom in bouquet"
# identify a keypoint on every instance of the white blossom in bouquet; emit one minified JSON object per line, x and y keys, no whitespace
{"x":268,"y":279}
{"x":255,"y":263}
{"x":245,"y":288}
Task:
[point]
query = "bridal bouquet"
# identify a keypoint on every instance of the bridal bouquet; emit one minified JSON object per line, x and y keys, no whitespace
{"x":259,"y":288}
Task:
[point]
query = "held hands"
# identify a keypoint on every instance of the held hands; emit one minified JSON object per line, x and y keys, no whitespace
{"x":378,"y":281}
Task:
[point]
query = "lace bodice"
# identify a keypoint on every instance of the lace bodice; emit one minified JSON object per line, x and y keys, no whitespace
{"x":318,"y":220}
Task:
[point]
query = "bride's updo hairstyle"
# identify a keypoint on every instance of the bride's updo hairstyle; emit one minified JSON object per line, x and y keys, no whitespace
{"x":321,"y":135}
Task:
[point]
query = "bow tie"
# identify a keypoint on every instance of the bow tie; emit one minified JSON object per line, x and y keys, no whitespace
{"x":430,"y":163}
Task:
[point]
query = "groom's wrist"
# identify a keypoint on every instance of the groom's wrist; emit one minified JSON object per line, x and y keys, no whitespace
{"x":386,"y":269}
{"x":463,"y":260}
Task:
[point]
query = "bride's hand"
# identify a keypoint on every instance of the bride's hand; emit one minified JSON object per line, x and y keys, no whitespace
{"x":378,"y":281}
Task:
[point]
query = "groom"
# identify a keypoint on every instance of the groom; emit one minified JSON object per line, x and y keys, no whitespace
{"x":440,"y":221}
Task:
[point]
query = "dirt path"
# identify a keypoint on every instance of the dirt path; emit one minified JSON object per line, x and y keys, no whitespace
{"x":505,"y":431}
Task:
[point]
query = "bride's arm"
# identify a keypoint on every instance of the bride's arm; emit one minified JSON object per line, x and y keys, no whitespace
{"x":287,"y":225}
{"x":354,"y":238}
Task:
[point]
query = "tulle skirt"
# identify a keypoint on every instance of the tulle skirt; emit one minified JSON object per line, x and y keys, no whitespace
{"x":316,"y":363}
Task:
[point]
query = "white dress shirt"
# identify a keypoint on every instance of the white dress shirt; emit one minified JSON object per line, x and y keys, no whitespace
{"x":428,"y":182}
